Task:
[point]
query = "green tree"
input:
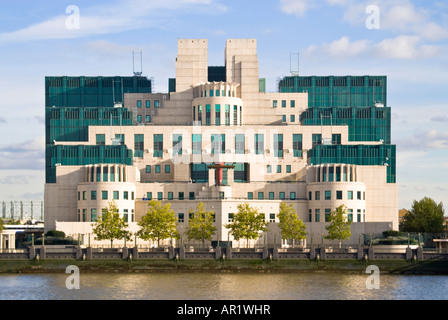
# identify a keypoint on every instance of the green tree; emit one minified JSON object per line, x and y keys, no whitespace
{"x":339,"y":227}
{"x":200,"y":226}
{"x":1,"y":225}
{"x":247,"y":223}
{"x":158,"y":223}
{"x":110,"y":226}
{"x":292,"y":228}
{"x":425,"y":216}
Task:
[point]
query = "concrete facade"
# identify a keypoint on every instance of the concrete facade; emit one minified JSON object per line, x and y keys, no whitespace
{"x":274,"y":168}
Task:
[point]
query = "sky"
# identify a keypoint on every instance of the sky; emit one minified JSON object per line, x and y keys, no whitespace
{"x":405,"y":40}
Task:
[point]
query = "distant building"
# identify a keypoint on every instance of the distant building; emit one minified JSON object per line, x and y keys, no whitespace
{"x":219,"y":138}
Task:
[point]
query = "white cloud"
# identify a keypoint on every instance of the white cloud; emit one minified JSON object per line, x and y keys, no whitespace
{"x":112,"y":18}
{"x":296,"y":7}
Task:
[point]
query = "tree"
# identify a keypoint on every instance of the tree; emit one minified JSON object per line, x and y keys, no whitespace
{"x":200,"y":226}
{"x":425,"y":216}
{"x":1,"y":225}
{"x":247,"y":223}
{"x":292,"y":228}
{"x":158,"y":223}
{"x":110,"y":226}
{"x":339,"y":227}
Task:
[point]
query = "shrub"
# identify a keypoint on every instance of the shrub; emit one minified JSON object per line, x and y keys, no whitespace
{"x":56,"y":234}
{"x":391,"y":233}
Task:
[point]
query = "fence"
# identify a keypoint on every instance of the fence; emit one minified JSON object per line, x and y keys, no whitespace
{"x":416,"y":253}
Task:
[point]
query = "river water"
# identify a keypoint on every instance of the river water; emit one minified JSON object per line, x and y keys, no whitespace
{"x":212,"y":286}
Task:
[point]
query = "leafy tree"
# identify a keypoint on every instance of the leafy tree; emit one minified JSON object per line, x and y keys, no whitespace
{"x":158,"y":223}
{"x":425,"y":216}
{"x":110,"y":226}
{"x":292,"y":228}
{"x":247,"y":223}
{"x":339,"y":227}
{"x":200,"y":226}
{"x":1,"y":225}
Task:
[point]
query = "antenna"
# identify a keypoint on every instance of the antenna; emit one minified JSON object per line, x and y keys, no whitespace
{"x":137,"y":73}
{"x":294,"y":69}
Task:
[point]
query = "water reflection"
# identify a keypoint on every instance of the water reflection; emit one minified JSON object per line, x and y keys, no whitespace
{"x":210,"y":286}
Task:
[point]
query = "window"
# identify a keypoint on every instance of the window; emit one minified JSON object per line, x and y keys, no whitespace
{"x":288,"y":168}
{"x":132,"y":195}
{"x":197,"y":143}
{"x":278,"y":145}
{"x":92,"y":195}
{"x":327,"y":195}
{"x":358,"y":194}
{"x":105,"y":173}
{"x":271,"y":195}
{"x":116,"y":195}
{"x":339,"y":195}
{"x":260,"y":195}
{"x":217,"y":114}
{"x":293,"y":103}
{"x":181,"y":196}
{"x":317,"y":195}
{"x":139,"y":103}
{"x":230,"y":217}
{"x":207,"y":115}
{"x":235,"y":115}
{"x":359,"y":215}
{"x":148,"y":103}
{"x":292,"y":118}
{"x":250,"y":195}
{"x":297,"y":145}
{"x":148,"y":169}
{"x":274,"y":103}
{"x":158,"y":145}
{"x":269,"y":168}
{"x":139,"y":118}
{"x":181,"y":218}
{"x":167,"y":168}
{"x":156,"y":103}
{"x":159,"y":196}
{"x":84,"y":195}
{"x":283,"y":118}
{"x":217,"y":93}
{"x":157,"y":168}
{"x":218,"y":142}
{"x":283,"y":103}
{"x":138,"y":145}
{"x":310,"y":215}
{"x":272,"y":217}
{"x":259,"y":143}
{"x":292,"y":195}
{"x":104,"y":195}
{"x":336,"y":138}
{"x":317,"y":139}
{"x":350,"y":195}
{"x":317,"y":215}
{"x":221,"y":195}
{"x":327,"y":215}
{"x":148,"y":118}
{"x":199,"y":113}
{"x":125,"y":215}
{"x":125,"y":195}
{"x":100,"y":139}
{"x":350,"y":215}
{"x":279,"y":168}
{"x":92,"y":214}
{"x":282,"y":195}
{"x":191,"y":196}
{"x":227,"y":114}
{"x":239,"y":144}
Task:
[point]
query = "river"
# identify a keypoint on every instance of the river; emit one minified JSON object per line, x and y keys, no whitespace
{"x":213,"y":286}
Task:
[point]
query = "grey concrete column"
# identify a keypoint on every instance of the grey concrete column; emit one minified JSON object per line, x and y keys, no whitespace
{"x":408,"y":253}
{"x":275,"y":253}
{"x":312,"y":252}
{"x":323,"y":255}
{"x":78,"y":253}
{"x":228,"y":253}
{"x":171,"y":253}
{"x":135,"y":253}
{"x":124,"y":253}
{"x":43,"y":252}
{"x":419,"y":253}
{"x":182,"y":252}
{"x":265,"y":253}
{"x":371,"y":253}
{"x":360,"y":252}
{"x":89,"y":254}
{"x":218,"y":253}
{"x":31,"y":253}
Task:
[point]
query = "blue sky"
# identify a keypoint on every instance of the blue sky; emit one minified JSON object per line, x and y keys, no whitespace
{"x":409,"y":44}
